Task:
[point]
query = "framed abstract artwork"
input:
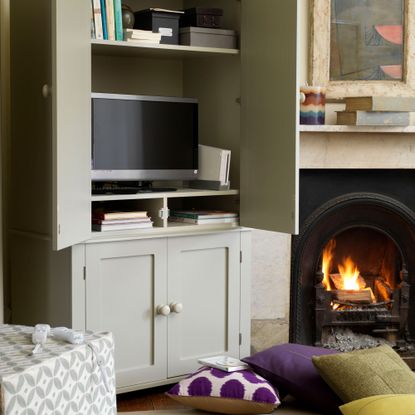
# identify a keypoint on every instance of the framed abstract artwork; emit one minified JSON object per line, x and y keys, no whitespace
{"x":363,"y":47}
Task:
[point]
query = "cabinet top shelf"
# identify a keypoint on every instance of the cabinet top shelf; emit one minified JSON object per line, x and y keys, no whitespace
{"x":159,"y":195}
{"x":121,"y":48}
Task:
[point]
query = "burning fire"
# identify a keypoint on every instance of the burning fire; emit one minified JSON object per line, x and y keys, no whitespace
{"x":328,"y":254}
{"x":348,"y":278}
{"x":350,"y":275}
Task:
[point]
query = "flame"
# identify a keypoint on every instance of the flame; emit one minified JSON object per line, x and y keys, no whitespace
{"x":350,"y":274}
{"x":328,"y":254}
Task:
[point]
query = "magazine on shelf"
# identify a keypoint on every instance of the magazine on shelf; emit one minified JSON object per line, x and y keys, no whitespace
{"x":206,"y":221}
{"x":203,"y":214}
{"x":225,"y":363}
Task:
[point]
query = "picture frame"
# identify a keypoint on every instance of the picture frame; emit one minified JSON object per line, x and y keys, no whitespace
{"x":320,"y":55}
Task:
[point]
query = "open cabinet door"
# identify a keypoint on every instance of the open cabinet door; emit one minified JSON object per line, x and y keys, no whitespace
{"x":71,"y":122}
{"x":270,"y":107}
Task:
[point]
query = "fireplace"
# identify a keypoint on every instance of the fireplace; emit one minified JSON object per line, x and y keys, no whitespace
{"x":353,"y":263}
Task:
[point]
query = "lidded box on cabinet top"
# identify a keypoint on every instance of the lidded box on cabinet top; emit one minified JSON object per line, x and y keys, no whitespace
{"x":202,"y":17}
{"x":212,"y":38}
{"x":161,"y":21}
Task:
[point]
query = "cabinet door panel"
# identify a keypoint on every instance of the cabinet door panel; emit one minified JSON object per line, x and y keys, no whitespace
{"x":71,"y":121}
{"x":270,"y":138}
{"x":204,"y":276}
{"x":125,"y":283}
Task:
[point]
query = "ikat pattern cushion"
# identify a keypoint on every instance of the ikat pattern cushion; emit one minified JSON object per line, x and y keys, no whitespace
{"x":214,"y":390}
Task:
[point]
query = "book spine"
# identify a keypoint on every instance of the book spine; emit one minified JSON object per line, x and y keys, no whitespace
{"x":92,"y":21}
{"x":207,"y":217}
{"x":390,"y":104}
{"x":96,"y":221}
{"x":104,"y":20}
{"x":98,"y":19}
{"x":119,"y":34}
{"x":110,"y":19}
{"x":382,"y":118}
{"x":119,"y":215}
{"x":203,"y":221}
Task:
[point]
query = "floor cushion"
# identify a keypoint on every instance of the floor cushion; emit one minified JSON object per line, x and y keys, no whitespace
{"x":381,"y":405}
{"x":363,"y":373}
{"x":214,"y":390}
{"x":290,"y":369}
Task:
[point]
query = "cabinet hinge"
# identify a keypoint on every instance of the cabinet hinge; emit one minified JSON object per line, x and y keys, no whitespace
{"x":84,"y":273}
{"x":240,"y":257}
{"x":240,"y":339}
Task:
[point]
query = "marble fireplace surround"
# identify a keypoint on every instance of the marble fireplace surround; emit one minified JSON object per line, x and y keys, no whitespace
{"x":321,"y":147}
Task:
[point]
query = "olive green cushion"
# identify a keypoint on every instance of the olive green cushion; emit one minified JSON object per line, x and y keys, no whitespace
{"x":381,"y":405}
{"x":363,"y":373}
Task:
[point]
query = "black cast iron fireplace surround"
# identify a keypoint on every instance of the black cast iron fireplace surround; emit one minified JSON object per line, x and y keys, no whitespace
{"x":333,"y":202}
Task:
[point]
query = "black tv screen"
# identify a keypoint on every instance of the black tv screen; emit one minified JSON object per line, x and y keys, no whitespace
{"x":144,"y":137}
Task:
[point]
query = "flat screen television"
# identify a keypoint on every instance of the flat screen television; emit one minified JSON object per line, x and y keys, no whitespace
{"x":144,"y":138}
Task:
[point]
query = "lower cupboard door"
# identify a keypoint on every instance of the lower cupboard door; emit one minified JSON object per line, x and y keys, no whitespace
{"x":126,"y":284}
{"x":204,"y":296}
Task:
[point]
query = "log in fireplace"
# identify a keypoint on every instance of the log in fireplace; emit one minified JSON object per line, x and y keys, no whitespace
{"x":353,"y":263}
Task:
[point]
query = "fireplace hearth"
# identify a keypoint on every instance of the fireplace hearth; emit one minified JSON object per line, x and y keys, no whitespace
{"x":353,"y":263}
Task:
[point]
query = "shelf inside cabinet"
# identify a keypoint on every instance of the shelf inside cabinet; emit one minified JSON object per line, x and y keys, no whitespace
{"x":160,"y":195}
{"x":122,"y":48}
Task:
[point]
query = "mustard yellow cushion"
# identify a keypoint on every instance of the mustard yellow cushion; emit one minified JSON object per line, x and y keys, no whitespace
{"x":359,"y":374}
{"x":381,"y":405}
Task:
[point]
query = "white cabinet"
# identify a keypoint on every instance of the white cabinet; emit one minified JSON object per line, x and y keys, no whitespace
{"x":248,"y":103}
{"x":198,"y":277}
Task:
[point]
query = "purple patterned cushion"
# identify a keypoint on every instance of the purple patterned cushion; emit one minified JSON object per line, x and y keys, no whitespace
{"x":290,"y":369}
{"x":241,"y":392}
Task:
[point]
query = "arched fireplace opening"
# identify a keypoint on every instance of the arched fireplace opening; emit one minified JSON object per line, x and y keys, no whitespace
{"x":353,"y":268}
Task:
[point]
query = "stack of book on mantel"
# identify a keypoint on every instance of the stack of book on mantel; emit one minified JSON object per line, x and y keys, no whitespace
{"x":142,"y":36}
{"x":117,"y":221}
{"x":203,"y":217}
{"x":377,"y":111}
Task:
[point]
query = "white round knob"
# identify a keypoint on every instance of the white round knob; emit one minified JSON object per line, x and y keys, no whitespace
{"x":176,"y":307}
{"x":163,"y":310}
{"x":46,"y":91}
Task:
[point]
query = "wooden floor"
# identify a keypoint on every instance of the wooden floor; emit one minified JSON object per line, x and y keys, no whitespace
{"x":147,"y":400}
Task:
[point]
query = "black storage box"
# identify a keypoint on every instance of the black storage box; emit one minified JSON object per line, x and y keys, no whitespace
{"x":158,"y":20}
{"x":202,"y":17}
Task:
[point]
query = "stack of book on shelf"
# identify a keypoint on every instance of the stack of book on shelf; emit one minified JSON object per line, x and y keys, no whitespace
{"x":106,"y":20}
{"x":203,"y":217}
{"x":141,"y":36}
{"x":377,"y":111}
{"x":117,"y":221}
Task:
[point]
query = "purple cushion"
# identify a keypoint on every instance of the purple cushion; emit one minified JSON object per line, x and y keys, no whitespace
{"x":290,"y":369}
{"x":214,"y":390}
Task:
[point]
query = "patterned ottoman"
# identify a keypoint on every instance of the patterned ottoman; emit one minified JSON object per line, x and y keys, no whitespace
{"x":61,"y":379}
